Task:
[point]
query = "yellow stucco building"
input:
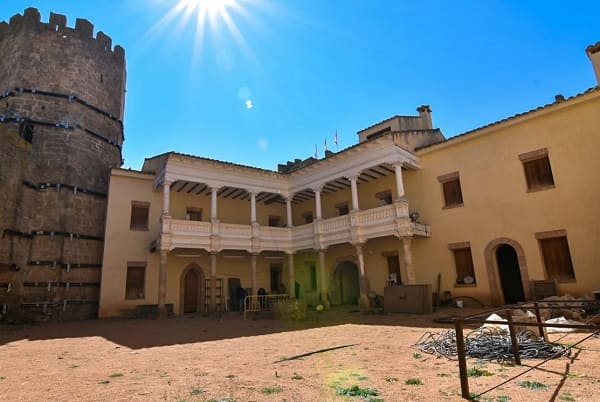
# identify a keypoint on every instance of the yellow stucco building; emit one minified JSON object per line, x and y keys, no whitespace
{"x":491,"y":210}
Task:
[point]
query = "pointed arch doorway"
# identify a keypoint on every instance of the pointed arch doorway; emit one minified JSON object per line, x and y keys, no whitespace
{"x":192,"y":289}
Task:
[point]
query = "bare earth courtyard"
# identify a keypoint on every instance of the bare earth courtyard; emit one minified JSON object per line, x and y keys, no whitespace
{"x":196,"y":358}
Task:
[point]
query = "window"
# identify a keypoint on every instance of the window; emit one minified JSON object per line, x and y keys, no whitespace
{"x":451,"y":189}
{"x":308,"y":217}
{"x":275,"y":220}
{"x":136,"y":278}
{"x":193,"y":214}
{"x":393,"y":264}
{"x":276,"y":281}
{"x":463,"y":260}
{"x":556,"y":255}
{"x":342,"y":208}
{"x":385,"y":197}
{"x":139,"y":215}
{"x":538,"y":172}
{"x":312,"y":271}
{"x":26,"y":132}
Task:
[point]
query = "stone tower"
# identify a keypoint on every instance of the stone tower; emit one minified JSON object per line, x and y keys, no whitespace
{"x":61,"y":131}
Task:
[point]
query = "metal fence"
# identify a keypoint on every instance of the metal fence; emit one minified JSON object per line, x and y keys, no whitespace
{"x":259,"y":303}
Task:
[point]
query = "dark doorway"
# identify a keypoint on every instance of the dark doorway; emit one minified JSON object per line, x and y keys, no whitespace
{"x":344,"y":288}
{"x":190,"y":292}
{"x":510,"y":274}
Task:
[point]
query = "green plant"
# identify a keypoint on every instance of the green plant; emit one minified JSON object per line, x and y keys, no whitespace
{"x":104,"y":382}
{"x":196,"y":391}
{"x":202,"y":374}
{"x":413,"y":381}
{"x":355,"y":390}
{"x":391,"y":379}
{"x":417,"y":355}
{"x":478,"y":372}
{"x":502,"y":398}
{"x":230,"y":376}
{"x":116,"y":375}
{"x":535,"y":385}
{"x":444,"y":375}
{"x":297,"y":377}
{"x":271,"y":390}
{"x":566,"y":397}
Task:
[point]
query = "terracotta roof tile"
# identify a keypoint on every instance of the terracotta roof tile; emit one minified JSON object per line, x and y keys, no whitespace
{"x":498,"y":122}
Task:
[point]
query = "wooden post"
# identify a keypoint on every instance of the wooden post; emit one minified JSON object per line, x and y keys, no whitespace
{"x":513,"y":336}
{"x":462,"y":358}
{"x":538,"y":317}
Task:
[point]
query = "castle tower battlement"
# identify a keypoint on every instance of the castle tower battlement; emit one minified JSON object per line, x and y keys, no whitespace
{"x":62,"y":97}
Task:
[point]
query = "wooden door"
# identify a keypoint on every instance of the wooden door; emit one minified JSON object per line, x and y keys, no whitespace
{"x":190,"y":292}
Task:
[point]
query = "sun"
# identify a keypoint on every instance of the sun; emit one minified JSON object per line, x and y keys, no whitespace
{"x":210,"y":7}
{"x":214,"y":16}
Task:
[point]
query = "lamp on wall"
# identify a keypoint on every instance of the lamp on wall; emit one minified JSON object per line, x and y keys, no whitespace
{"x":414,"y":216}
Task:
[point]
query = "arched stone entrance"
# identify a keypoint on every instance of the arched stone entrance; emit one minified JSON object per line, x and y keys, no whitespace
{"x":507,"y":271}
{"x":192,"y":290}
{"x":344,"y":285}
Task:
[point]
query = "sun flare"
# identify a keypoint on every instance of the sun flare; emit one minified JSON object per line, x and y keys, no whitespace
{"x":211,"y":7}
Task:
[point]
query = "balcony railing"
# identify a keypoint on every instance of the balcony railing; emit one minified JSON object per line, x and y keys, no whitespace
{"x":357,"y":227}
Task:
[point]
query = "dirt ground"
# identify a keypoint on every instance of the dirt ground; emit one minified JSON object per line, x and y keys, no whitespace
{"x":196,"y":358}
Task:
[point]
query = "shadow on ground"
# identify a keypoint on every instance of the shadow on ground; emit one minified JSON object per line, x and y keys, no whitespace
{"x":146,"y":333}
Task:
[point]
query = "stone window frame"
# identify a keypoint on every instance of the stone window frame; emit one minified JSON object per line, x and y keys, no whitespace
{"x":447,"y":178}
{"x":453,"y":247}
{"x":131,"y":287}
{"x":143,"y":226}
{"x":533,"y":156}
{"x":189,"y":211}
{"x":555,"y":234}
{"x":343,"y":208}
{"x":385,"y":197}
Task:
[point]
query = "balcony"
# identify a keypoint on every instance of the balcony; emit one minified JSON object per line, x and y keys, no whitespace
{"x":357,"y":227}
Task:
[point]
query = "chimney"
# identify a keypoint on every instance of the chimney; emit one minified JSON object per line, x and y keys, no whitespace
{"x":425,"y":115}
{"x":593,"y":52}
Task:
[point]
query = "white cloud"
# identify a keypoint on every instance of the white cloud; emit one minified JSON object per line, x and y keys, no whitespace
{"x":248,"y":104}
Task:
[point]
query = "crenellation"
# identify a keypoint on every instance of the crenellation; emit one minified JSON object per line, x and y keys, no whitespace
{"x":58,"y":21}
{"x":104,"y":41}
{"x":32,"y":15}
{"x":119,"y":53}
{"x":84,"y":28}
{"x":3,"y":29}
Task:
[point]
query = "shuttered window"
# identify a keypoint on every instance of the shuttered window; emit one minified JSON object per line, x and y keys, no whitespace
{"x":464,"y":266}
{"x":134,"y":286}
{"x":538,"y":173}
{"x":452,"y":192}
{"x":557,"y":259}
{"x":139,"y":215}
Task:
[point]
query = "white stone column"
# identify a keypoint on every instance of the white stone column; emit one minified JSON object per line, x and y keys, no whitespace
{"x":288,"y":210}
{"x":166,"y":197}
{"x":354,"y":187}
{"x":213,"y":202}
{"x":318,"y":211}
{"x":291,"y":277}
{"x":253,"y":264}
{"x":399,"y":180}
{"x":252,"y":207}
{"x":324,"y":282}
{"x":213,"y":282}
{"x":162,"y":283}
{"x":363,"y":281}
{"x":411,"y":276}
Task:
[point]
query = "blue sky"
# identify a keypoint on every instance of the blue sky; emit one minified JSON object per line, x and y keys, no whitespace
{"x":311,"y":67}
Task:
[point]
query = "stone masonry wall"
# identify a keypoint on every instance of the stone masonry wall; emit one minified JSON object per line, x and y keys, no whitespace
{"x":61,"y":131}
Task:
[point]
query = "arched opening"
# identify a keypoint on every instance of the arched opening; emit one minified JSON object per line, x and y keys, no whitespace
{"x":344,"y":286}
{"x":509,"y":272}
{"x":192,"y":290}
{"x":494,"y":270}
